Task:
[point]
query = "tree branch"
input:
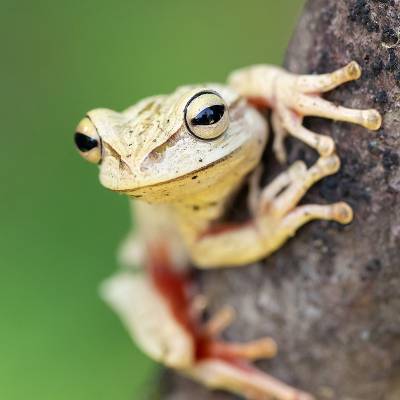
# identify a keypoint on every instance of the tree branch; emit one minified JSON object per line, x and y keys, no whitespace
{"x":330,"y":297}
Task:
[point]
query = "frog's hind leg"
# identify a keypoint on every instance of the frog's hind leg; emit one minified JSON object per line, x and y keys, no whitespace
{"x":244,"y":380}
{"x":227,"y":365}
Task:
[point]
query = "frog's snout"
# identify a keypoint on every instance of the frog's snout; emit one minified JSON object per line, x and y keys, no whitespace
{"x":88,"y":141}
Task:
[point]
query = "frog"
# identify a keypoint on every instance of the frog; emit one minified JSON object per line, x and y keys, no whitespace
{"x":181,"y":159}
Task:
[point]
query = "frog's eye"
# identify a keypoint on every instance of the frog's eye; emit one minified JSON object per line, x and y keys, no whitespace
{"x":88,"y":141}
{"x":206,"y":115}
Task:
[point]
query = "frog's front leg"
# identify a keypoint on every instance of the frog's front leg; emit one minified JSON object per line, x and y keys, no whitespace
{"x":163,"y":314}
{"x":275,"y":221}
{"x":293,"y":97}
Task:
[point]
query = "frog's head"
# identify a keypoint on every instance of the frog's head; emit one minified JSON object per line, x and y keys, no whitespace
{"x":167,"y":147}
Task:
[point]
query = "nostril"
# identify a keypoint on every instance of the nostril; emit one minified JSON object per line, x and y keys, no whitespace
{"x":85,"y":143}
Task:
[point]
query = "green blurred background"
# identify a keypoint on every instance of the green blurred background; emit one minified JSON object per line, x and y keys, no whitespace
{"x":59,"y":228}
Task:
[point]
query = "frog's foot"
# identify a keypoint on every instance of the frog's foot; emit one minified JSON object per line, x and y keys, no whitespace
{"x":243,"y":380}
{"x":280,"y":198}
{"x":278,"y":201}
{"x":258,"y":200}
{"x":286,"y":190}
{"x":295,"y":172}
{"x":298,"y":96}
{"x":211,"y":346}
{"x":227,"y":365}
{"x":220,"y":321}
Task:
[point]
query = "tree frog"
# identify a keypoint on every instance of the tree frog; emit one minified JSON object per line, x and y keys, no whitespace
{"x":181,"y":158}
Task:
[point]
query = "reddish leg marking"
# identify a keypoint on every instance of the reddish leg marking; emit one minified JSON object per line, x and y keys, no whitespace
{"x":177,"y":289}
{"x":175,"y":286}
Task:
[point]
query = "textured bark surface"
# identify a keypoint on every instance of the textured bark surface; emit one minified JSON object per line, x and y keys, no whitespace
{"x":331,"y":296}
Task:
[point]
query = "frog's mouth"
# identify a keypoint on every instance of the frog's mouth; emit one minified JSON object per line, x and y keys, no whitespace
{"x":179,"y":181}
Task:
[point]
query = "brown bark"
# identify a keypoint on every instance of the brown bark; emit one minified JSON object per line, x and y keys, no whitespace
{"x":331,"y":296}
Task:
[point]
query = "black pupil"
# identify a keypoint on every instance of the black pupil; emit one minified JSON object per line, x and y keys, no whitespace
{"x":85,"y":143}
{"x":209,"y":115}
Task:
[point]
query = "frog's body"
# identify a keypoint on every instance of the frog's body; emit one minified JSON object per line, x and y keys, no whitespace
{"x":182,"y":157}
